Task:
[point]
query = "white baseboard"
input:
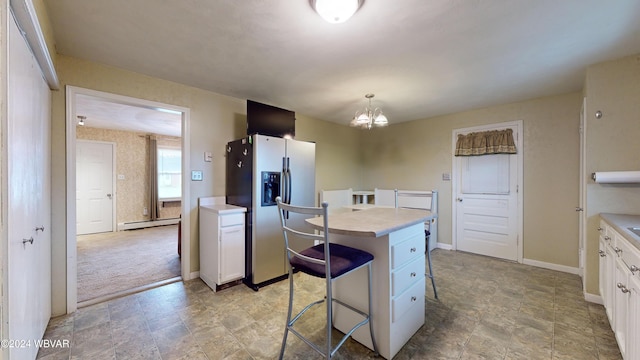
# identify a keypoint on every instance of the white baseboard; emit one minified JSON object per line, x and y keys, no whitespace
{"x":194,"y":275}
{"x":444,"y":246}
{"x":146,"y":224}
{"x":550,"y":266}
{"x":593,"y":298}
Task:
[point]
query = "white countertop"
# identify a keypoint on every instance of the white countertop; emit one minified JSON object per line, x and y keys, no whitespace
{"x":621,"y":223}
{"x":217,"y":204}
{"x":373,"y":222}
{"x":224,"y":208}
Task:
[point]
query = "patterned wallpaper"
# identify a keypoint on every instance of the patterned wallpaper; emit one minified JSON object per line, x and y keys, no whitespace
{"x":132,"y":162}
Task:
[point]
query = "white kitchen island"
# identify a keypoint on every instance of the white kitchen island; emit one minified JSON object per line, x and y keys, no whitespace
{"x":396,"y":239}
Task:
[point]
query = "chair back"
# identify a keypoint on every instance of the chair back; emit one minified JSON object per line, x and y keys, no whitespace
{"x":290,"y":233}
{"x":337,"y":198}
{"x":414,"y":199}
{"x":384,"y":197}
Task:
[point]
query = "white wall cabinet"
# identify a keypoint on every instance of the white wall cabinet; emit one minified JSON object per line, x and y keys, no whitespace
{"x":620,"y":282}
{"x":222,"y":243}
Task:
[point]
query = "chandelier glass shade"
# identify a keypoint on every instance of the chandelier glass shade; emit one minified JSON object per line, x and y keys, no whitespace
{"x":336,"y":11}
{"x":369,"y":117}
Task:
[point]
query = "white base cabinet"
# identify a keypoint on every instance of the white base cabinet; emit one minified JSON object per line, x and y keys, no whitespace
{"x":398,"y":288}
{"x":620,"y":280}
{"x":222,"y":244}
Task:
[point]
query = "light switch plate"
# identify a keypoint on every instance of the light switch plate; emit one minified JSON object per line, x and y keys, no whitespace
{"x":207,"y":156}
{"x":446,"y":176}
{"x":196,"y":175}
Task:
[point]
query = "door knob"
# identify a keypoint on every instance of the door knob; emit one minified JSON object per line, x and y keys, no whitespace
{"x":459,"y":199}
{"x":109,"y":196}
{"x":579,"y":208}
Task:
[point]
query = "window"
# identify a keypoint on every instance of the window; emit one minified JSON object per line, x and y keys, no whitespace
{"x":169,"y":173}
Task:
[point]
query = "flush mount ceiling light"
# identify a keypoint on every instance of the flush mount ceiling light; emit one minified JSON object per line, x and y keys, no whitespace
{"x":369,"y":117}
{"x":81,"y":120}
{"x":336,"y":11}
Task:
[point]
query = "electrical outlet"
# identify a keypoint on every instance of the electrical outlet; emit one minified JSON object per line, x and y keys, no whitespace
{"x":145,"y":211}
{"x":446,"y":176}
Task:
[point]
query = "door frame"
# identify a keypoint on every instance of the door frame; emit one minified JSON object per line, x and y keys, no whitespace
{"x":71,"y":258}
{"x":114,"y":190}
{"x":518,"y":124}
{"x":582,"y":222}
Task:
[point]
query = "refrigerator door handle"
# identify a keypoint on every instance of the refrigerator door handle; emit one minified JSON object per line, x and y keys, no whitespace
{"x":285,"y":186}
{"x":289,"y":182}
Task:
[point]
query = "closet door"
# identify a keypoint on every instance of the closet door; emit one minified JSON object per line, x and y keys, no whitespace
{"x":28,"y":200}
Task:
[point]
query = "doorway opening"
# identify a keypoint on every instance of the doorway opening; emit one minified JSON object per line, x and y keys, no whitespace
{"x":140,"y":147}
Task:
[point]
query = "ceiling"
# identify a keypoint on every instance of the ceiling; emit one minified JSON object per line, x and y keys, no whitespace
{"x":108,"y":114}
{"x":420,"y":58}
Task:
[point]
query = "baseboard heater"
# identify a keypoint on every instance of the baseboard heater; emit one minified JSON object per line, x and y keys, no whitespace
{"x":146,"y":224}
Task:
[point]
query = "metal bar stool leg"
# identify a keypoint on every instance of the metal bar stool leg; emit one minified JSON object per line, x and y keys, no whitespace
{"x":286,"y":328}
{"x":373,"y":338}
{"x":433,"y":281}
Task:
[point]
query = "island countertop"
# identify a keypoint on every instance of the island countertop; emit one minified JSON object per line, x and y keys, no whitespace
{"x":373,"y":222}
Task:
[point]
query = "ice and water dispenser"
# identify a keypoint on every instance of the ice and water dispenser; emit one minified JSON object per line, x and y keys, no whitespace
{"x":270,"y":187}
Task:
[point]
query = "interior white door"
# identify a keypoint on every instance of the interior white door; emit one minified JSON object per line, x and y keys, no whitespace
{"x":94,"y":187}
{"x":487,"y":204}
{"x":28,"y":199}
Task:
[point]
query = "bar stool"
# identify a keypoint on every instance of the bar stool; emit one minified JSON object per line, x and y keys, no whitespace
{"x":427,"y":233}
{"x":325,"y":258}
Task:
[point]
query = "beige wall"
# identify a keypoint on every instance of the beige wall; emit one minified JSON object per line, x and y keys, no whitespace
{"x":132,"y":161}
{"x":613,"y":143}
{"x":414,"y":155}
{"x":215,"y":120}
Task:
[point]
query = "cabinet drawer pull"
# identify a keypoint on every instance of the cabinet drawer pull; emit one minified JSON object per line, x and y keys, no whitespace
{"x":413,"y":274}
{"x":607,"y":238}
{"x":617,"y":250}
{"x":29,"y":240}
{"x":633,"y":269}
{"x":602,"y":253}
{"x":40,"y":228}
{"x":600,"y":229}
{"x":622,"y":288}
{"x":413,"y":298}
{"x":413,"y":249}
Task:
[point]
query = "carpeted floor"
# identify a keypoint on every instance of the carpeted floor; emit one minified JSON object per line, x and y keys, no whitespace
{"x":118,"y":261}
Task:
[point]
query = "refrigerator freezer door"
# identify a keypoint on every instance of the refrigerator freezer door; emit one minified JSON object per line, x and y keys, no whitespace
{"x":302,"y":184}
{"x":267,"y":254}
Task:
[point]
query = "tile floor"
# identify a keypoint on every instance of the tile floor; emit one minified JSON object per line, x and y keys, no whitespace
{"x":488,"y":309}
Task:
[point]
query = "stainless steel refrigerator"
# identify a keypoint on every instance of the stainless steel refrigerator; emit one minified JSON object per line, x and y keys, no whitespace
{"x":260,"y":168}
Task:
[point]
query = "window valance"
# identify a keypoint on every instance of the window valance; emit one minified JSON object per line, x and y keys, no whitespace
{"x":486,"y":143}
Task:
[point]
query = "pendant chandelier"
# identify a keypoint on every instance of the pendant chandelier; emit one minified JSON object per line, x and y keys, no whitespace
{"x":336,"y":11}
{"x":369,"y":117}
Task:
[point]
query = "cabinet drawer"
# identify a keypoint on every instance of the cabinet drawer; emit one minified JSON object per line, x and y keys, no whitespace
{"x":411,"y":299}
{"x":403,"y":252}
{"x":231,"y":219}
{"x":628,"y":253}
{"x":405,"y":276}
